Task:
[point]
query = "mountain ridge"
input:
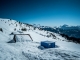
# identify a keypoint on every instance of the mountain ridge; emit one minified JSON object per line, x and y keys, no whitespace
{"x":25,"y":49}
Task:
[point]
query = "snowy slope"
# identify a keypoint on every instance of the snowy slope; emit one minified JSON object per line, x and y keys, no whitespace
{"x":9,"y":26}
{"x":29,"y":50}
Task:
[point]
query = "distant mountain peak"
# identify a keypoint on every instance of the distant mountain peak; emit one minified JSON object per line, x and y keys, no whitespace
{"x":65,"y":25}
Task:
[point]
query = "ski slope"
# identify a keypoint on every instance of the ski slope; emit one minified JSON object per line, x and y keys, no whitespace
{"x":24,"y":49}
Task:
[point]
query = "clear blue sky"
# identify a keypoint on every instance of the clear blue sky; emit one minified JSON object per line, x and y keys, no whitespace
{"x":44,"y":12}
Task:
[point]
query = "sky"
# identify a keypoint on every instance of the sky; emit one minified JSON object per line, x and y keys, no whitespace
{"x":43,"y":12}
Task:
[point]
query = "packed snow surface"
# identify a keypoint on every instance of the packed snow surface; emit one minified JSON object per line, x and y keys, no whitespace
{"x":25,"y":49}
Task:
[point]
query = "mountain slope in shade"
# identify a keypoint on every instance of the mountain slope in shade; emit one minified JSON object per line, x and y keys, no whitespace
{"x":29,"y":50}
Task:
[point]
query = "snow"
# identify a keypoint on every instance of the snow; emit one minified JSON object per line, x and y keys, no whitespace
{"x":10,"y":53}
{"x":24,"y":49}
{"x":22,"y":38}
{"x":30,"y":51}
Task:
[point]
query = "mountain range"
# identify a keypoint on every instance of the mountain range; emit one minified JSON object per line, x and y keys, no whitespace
{"x":26,"y":49}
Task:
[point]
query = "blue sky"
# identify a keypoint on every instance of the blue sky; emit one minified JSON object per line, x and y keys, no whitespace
{"x":44,"y":12}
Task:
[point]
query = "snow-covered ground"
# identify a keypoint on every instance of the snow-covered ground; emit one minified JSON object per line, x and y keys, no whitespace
{"x":29,"y":50}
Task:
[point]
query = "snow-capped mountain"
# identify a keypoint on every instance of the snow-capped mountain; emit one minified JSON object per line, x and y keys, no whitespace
{"x":67,"y":27}
{"x":25,"y":49}
{"x":73,"y":32}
